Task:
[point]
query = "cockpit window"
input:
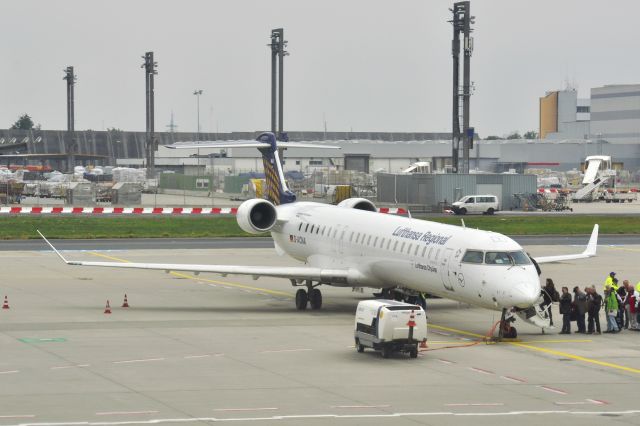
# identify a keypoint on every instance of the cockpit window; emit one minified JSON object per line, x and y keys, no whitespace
{"x":506,"y":258}
{"x":520,"y":258}
{"x":497,"y":258}
{"x":472,"y":256}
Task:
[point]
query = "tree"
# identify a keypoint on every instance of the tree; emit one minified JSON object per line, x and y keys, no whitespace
{"x":24,"y":123}
{"x":531,"y":134}
{"x":514,"y":135}
{"x":493,"y":138}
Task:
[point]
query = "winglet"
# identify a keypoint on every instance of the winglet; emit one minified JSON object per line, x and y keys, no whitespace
{"x":52,"y":247}
{"x":592,"y":245}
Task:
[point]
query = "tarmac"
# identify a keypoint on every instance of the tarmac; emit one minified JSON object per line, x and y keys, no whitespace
{"x":205,"y":349}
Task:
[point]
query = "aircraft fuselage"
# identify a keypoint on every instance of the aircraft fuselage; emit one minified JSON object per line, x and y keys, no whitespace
{"x":386,"y":251}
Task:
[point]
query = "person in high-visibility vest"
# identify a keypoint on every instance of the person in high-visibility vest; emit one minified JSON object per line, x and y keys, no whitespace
{"x":609,"y":281}
{"x":611,"y":309}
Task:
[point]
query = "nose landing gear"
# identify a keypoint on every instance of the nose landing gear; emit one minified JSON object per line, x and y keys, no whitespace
{"x":505,"y":329}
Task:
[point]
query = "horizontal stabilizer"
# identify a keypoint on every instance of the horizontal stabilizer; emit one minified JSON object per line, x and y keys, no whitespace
{"x":245,"y":144}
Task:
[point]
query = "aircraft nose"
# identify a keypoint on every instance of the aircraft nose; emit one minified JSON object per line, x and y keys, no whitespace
{"x":526,"y":293}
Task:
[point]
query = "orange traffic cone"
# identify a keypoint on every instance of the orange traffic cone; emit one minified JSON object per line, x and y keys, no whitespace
{"x":125,"y":304}
{"x":5,"y":305}
{"x":107,"y":309}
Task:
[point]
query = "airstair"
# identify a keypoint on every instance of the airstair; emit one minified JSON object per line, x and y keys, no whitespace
{"x":586,"y":192}
{"x":597,"y":173}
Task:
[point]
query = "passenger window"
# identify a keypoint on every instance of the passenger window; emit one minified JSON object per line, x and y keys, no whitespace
{"x":318,"y":230}
{"x":369,"y":240}
{"x":300,"y":227}
{"x":395,"y":246}
{"x":306,"y":228}
{"x":312,"y":226}
{"x":409,"y":248}
{"x":437,"y":254}
{"x":388,"y":243}
{"x":424,"y":250}
{"x":375,"y":242}
{"x":417,"y":248}
{"x":472,"y":256}
{"x":323,"y":230}
{"x":402,"y":247}
{"x":351,"y":237}
{"x":430,"y":252}
{"x":342,"y":234}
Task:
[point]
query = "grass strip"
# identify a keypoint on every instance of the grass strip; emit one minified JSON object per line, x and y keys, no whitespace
{"x":78,"y":227}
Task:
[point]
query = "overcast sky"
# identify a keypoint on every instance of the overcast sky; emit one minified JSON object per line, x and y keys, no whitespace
{"x":366,"y":65}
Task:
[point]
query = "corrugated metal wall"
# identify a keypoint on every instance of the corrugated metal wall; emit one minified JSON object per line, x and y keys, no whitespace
{"x":432,"y":190}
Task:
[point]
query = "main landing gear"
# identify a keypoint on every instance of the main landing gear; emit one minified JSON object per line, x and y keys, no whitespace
{"x":311,"y":296}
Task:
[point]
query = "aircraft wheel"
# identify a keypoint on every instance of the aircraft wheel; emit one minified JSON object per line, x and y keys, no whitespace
{"x":359,"y":347}
{"x":512,"y":333}
{"x":315,"y":299}
{"x":414,"y":353}
{"x":386,"y":351}
{"x":301,"y":300}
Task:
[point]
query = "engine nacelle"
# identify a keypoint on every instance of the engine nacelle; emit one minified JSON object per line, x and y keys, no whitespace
{"x":358,"y":203}
{"x":256,"y":216}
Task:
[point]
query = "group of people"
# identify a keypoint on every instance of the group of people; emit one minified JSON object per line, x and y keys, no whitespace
{"x":620,"y":303}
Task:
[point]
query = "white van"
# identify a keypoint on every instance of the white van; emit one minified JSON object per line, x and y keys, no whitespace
{"x":383,"y":325}
{"x":485,"y":204}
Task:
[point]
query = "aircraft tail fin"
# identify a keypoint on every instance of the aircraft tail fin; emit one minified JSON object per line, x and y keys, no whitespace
{"x":276,"y":189}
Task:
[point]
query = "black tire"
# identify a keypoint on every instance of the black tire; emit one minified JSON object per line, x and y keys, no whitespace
{"x":359,"y":347}
{"x":386,"y":351}
{"x":301,"y":300}
{"x":490,"y":211}
{"x":315,"y":299}
{"x":463,"y":211}
{"x":512,"y":333}
{"x":414,"y":352}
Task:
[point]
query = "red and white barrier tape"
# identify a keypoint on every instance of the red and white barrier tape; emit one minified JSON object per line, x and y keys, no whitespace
{"x":141,"y":210}
{"x":119,"y":210}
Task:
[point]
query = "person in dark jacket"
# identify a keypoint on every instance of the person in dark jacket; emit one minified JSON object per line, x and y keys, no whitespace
{"x":580,"y":301}
{"x":594,"y":303}
{"x":565,"y":310}
{"x":550,"y":295}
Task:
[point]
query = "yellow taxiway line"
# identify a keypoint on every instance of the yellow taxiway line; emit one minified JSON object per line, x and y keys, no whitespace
{"x":530,"y":346}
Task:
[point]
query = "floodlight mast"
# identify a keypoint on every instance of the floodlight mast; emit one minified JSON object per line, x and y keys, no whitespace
{"x":70,"y":144}
{"x":150,"y":142}
{"x":461,"y":23}
{"x":278,"y":52}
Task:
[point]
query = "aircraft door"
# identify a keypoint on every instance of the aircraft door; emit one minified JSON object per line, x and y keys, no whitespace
{"x":338,"y":241}
{"x":446,"y":273}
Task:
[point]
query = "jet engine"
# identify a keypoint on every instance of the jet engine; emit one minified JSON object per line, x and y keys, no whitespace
{"x":256,"y":216}
{"x":358,"y":203}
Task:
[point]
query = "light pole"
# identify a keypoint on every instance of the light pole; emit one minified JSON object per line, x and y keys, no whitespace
{"x":197,"y":93}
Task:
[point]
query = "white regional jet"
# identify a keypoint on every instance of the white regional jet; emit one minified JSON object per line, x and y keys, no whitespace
{"x":352,"y":245}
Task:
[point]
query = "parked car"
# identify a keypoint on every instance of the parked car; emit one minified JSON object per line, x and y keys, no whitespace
{"x":485,"y":204}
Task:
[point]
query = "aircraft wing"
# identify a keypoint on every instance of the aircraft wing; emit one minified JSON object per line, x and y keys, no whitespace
{"x":288,"y":272}
{"x":245,"y":144}
{"x":590,"y":251}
